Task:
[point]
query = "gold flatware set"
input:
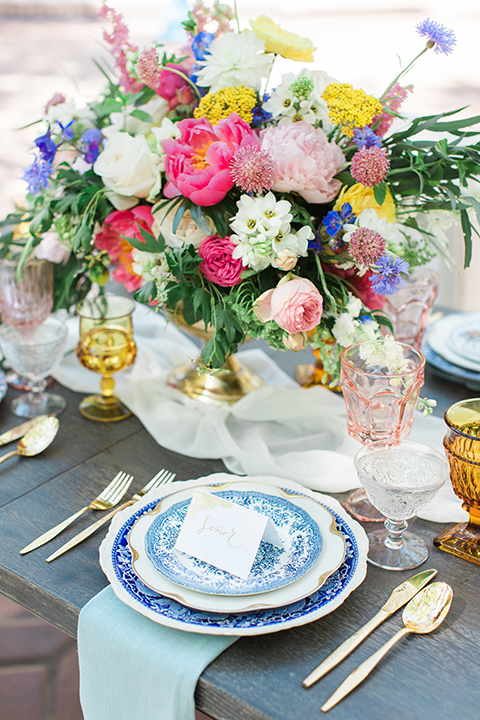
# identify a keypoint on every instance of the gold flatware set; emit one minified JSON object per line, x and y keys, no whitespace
{"x":426,"y":608}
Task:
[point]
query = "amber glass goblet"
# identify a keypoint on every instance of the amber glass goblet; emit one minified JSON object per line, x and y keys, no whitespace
{"x":462,"y":446}
{"x":106,"y":346}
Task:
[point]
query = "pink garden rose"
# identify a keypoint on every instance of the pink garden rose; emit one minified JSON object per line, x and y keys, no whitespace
{"x":198,"y":164}
{"x":111,"y":239}
{"x":305,"y":162}
{"x":218,"y":265}
{"x":295,"y":305}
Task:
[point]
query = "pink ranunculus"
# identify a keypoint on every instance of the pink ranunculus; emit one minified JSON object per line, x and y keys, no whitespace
{"x":218,"y":265}
{"x":305,"y":162}
{"x":295,"y":304}
{"x":175,"y":88}
{"x":111,"y":238}
{"x":198,"y":164}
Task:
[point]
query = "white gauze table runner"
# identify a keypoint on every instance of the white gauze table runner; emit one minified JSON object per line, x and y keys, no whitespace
{"x":282,"y":430}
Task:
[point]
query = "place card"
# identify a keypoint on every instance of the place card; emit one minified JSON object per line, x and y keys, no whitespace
{"x":224,"y":534}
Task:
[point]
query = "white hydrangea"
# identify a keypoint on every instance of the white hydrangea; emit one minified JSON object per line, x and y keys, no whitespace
{"x":235,"y":59}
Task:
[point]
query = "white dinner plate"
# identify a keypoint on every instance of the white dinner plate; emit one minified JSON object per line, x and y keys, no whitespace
{"x":330,"y":558}
{"x":117,"y":563}
{"x":464,"y":338}
{"x":438,"y":339}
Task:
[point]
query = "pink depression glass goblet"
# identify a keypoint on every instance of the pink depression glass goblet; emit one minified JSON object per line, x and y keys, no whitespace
{"x":33,"y":351}
{"x":26,"y":299}
{"x":381,"y":381}
{"x":409,"y":307}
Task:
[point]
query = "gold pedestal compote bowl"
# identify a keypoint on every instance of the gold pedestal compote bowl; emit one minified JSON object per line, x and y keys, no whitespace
{"x":106,"y":346}
{"x":462,"y":446}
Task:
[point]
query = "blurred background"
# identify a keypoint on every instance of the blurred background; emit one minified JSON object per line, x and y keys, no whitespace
{"x":48,"y":46}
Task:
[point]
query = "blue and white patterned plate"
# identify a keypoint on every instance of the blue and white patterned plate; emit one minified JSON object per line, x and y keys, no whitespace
{"x":3,"y":385}
{"x":116,"y":562}
{"x":272,"y":568}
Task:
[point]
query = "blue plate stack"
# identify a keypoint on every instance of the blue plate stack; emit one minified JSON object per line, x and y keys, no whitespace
{"x":452,"y":348}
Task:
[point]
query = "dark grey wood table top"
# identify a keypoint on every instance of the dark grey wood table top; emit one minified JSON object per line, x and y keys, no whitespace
{"x":259,"y":678}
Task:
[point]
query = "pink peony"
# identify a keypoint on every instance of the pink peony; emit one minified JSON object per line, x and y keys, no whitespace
{"x":218,"y":265}
{"x":111,"y":239}
{"x":198,"y":164}
{"x":295,"y":305}
{"x":175,"y":88}
{"x":305,"y":162}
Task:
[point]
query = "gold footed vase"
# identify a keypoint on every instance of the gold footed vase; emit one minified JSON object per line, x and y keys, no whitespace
{"x":312,"y":374}
{"x":217,"y":387}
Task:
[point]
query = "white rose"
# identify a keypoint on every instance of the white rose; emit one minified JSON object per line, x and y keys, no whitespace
{"x":187,"y":233}
{"x":127,"y":166}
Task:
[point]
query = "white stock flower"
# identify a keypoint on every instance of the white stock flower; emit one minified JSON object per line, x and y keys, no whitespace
{"x":157,"y":108}
{"x":387,"y":354}
{"x":235,"y":59}
{"x":127,"y":166}
{"x":66,"y":111}
{"x":370,"y":220}
{"x":255,"y":251}
{"x":352,"y":327}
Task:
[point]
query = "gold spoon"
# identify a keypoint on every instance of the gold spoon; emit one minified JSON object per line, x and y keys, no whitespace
{"x":424,"y":613}
{"x":36,"y":439}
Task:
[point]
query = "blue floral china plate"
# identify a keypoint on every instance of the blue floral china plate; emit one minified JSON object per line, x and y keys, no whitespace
{"x":273,"y":566}
{"x":116,"y":560}
{"x":3,"y":385}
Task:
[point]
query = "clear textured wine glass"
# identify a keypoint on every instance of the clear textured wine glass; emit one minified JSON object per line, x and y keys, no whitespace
{"x":381,"y":382}
{"x":33,"y":352}
{"x":26,"y":298}
{"x":106,"y":346}
{"x":399,"y":481}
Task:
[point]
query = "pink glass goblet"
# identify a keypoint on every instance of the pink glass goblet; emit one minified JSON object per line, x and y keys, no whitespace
{"x":409,"y":308}
{"x":381,"y":382}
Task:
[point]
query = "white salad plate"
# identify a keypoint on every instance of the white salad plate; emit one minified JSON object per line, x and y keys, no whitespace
{"x":464,"y":338}
{"x":329,"y":559}
{"x":439,"y":340}
{"x":116,"y":560}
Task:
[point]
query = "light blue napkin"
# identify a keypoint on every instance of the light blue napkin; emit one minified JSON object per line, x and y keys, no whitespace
{"x":131,"y":668}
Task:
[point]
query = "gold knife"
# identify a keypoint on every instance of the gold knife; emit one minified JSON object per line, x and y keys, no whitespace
{"x":20,"y":430}
{"x":399,"y":597}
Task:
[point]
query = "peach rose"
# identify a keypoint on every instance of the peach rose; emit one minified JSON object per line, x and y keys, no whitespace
{"x":295,"y":305}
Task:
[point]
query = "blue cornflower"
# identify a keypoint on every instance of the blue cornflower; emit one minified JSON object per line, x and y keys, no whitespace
{"x":201,"y":43}
{"x":37,"y":175}
{"x":438,"y":35}
{"x":336,"y":220}
{"x":259,"y":116}
{"x":67,"y":131}
{"x":387,"y":279}
{"x":89,"y":144}
{"x":365,"y":319}
{"x":46,"y":146}
{"x":366,"y":138}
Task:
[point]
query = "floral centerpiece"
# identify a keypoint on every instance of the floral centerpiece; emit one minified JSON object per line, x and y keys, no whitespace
{"x":286,"y":213}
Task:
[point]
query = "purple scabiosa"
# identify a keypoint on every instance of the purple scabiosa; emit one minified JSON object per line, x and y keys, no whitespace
{"x":89,"y":145}
{"x":370,"y":167}
{"x":366,"y":246}
{"x":366,"y":138}
{"x":336,"y":220}
{"x":37,"y":175}
{"x":46,"y":146}
{"x":252,"y":169}
{"x":387,"y":278}
{"x":441,"y":38}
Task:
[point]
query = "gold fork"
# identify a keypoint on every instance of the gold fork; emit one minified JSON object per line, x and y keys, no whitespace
{"x":109,"y":497}
{"x":161,"y":478}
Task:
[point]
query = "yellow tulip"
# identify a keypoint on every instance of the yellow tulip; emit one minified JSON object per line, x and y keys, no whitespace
{"x":278,"y":41}
{"x":362,"y":198}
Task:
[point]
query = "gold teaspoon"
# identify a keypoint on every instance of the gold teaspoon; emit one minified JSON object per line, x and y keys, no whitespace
{"x":36,"y":439}
{"x":424,"y":613}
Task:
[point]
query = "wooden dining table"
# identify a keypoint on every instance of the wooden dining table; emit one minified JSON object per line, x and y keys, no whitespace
{"x":257,"y":678}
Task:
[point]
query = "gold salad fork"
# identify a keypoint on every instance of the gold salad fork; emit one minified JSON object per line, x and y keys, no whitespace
{"x":107,"y":499}
{"x":161,"y":478}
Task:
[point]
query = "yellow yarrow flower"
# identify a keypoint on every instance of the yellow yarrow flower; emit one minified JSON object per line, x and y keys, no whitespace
{"x":362,"y":198}
{"x":278,"y":41}
{"x":218,"y":105}
{"x":350,"y":108}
